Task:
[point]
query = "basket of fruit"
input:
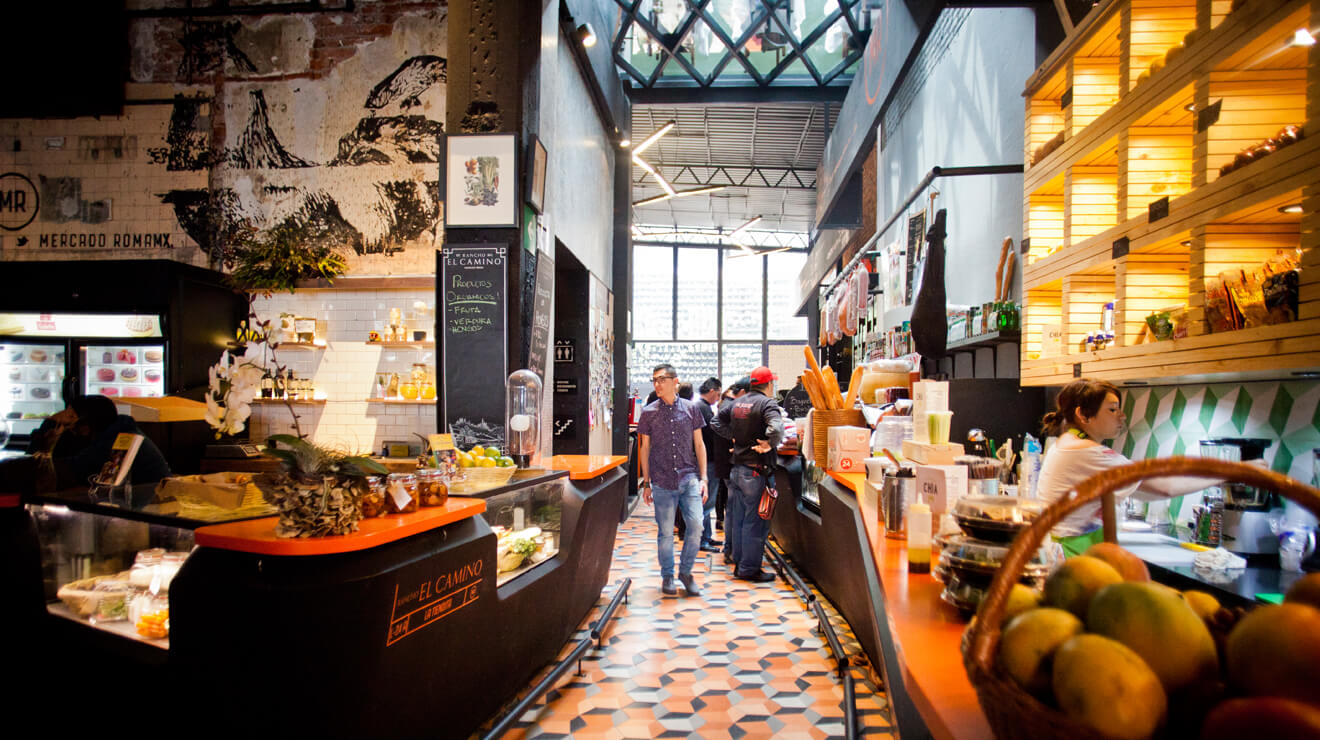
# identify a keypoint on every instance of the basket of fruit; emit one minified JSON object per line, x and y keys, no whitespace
{"x":1108,"y":653}
{"x":481,"y":469}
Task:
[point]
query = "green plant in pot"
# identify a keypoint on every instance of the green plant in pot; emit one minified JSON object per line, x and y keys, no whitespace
{"x":319,"y":490}
{"x":277,"y":260}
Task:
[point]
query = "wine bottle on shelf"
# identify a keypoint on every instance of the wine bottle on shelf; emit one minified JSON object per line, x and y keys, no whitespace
{"x":267,"y":385}
{"x":290,"y":387}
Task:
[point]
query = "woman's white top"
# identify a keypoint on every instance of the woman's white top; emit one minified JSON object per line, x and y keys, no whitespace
{"x":1064,"y":469}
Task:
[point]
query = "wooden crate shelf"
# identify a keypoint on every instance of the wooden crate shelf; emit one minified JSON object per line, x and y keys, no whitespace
{"x":1091,"y":193}
{"x":1145,"y":145}
{"x":1152,"y":29}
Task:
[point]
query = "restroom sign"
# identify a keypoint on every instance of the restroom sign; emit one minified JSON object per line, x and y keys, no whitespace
{"x":18,"y":201}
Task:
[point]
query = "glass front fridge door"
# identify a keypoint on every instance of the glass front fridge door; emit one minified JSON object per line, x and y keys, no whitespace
{"x":123,"y":370}
{"x":30,"y":375}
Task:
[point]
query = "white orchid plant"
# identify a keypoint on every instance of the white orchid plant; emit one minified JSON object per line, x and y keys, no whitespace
{"x":236,"y":379}
{"x":234,"y":382}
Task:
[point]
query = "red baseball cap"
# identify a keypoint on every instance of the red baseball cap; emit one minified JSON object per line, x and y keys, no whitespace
{"x":762,"y":375}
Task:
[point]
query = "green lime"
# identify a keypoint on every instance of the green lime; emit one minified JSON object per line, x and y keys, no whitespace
{"x":505,"y":462}
{"x":493,"y":452}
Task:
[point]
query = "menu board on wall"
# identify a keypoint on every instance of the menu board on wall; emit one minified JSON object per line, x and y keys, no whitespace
{"x":473,"y":294}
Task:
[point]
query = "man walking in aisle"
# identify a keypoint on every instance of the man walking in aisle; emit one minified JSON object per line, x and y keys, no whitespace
{"x":673,"y":460}
{"x":755,"y":425}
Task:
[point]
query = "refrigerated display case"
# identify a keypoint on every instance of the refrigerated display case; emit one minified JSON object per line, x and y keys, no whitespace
{"x":47,"y":358}
{"x":33,"y":375}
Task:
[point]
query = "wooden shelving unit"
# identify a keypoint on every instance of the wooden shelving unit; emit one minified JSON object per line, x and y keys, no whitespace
{"x":413,"y":401}
{"x":402,"y":345}
{"x":1135,"y":91}
{"x":304,"y":401}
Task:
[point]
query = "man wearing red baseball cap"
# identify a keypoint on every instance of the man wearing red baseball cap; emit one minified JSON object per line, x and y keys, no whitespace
{"x":755,"y":425}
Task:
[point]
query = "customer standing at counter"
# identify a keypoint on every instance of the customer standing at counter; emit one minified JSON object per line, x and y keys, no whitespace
{"x":755,"y":425}
{"x":673,"y":460}
{"x":709,"y":393}
{"x":724,"y":466}
{"x":1090,"y":411}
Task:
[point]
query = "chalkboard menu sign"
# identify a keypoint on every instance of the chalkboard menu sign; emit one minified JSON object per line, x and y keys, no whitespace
{"x":473,"y":292}
{"x":542,"y":304}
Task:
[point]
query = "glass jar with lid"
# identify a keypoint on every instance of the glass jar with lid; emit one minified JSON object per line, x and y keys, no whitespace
{"x":401,"y":493}
{"x":432,"y":487}
{"x":169,"y":567}
{"x":373,"y":501}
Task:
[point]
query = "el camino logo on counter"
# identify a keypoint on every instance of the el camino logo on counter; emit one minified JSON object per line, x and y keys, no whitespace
{"x":433,"y":600}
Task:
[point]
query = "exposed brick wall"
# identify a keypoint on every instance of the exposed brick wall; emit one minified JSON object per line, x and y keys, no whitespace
{"x":324,"y":123}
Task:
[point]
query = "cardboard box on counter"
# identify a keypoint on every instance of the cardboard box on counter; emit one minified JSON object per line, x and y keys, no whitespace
{"x":941,"y":486}
{"x":848,"y":449}
{"x":226,"y":490}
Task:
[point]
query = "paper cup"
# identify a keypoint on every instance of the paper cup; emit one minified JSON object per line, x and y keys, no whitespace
{"x":937,"y":426}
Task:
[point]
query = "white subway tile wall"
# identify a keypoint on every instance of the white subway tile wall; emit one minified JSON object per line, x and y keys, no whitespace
{"x":344,"y":372}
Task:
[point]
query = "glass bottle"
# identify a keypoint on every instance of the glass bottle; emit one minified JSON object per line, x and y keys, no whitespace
{"x":267,"y":385}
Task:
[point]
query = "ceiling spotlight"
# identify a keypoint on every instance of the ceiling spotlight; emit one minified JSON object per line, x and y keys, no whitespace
{"x":1190,"y":107}
{"x":1186,"y":242}
{"x":1302,"y":37}
{"x":653,"y":138}
{"x":625,"y":143}
{"x":699,"y":191}
{"x":653,"y":199}
{"x":586,"y":35}
{"x":1293,"y":208}
{"x":744,"y":227}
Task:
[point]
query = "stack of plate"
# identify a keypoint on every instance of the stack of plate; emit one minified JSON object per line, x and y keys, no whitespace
{"x":969,"y":561}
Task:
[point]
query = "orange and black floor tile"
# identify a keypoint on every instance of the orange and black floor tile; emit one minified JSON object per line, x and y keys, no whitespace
{"x":742,"y":660}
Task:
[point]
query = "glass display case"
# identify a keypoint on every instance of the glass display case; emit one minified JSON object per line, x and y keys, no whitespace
{"x":108,"y":560}
{"x":528,"y":522}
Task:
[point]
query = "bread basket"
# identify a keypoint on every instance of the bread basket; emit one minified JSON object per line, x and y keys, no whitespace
{"x":1011,"y":711}
{"x":822,"y":420}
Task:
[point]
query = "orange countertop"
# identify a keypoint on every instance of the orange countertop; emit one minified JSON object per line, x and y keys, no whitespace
{"x":258,"y":535}
{"x":926,"y":631}
{"x":583,"y":467}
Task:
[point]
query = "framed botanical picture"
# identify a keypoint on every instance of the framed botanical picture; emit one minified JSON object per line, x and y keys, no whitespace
{"x":536,"y":157}
{"x":481,"y":179}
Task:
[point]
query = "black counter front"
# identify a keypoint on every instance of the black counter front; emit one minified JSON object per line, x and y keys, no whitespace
{"x":412,"y":638}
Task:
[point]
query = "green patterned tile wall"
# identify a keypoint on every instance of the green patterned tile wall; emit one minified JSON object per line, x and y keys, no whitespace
{"x":1172,"y":420}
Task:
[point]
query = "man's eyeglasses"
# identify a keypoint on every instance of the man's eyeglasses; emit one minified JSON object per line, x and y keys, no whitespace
{"x":658,"y":379}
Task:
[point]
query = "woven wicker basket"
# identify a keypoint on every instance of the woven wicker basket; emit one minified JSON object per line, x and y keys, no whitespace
{"x":1012,"y":712}
{"x":822,"y":420}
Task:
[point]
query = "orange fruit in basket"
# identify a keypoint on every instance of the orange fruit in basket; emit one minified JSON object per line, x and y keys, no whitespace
{"x":1305,"y":590}
{"x":1028,"y":642}
{"x":1202,"y":603}
{"x":1073,"y":584}
{"x":1158,"y":624}
{"x":1274,"y":651}
{"x":1262,"y":716}
{"x":1104,"y":684}
{"x":1131,"y":567}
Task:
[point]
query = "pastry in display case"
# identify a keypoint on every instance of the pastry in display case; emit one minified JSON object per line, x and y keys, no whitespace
{"x":527,"y":523}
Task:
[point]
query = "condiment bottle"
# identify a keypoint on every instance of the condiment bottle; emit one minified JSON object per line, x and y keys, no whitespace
{"x":918,"y":537}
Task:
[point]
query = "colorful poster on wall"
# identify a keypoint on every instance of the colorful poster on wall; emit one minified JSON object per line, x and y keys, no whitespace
{"x":895,"y":267}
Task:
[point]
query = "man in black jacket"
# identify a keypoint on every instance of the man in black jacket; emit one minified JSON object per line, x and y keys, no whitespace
{"x":755,"y":424}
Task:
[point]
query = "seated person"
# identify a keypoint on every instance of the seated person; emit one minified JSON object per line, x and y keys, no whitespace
{"x":79,"y":439}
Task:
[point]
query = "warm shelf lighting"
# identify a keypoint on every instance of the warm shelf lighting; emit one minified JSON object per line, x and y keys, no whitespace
{"x":1186,"y":242}
{"x":586,"y":35}
{"x":1292,"y":208}
{"x":1302,"y":37}
{"x":1190,"y":107}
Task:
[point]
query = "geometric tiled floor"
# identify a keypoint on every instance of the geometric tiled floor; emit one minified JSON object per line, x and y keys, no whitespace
{"x":742,"y":660}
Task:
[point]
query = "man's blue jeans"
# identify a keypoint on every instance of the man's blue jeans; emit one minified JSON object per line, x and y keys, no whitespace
{"x":712,"y":490}
{"x":668,"y":501}
{"x":749,"y":529}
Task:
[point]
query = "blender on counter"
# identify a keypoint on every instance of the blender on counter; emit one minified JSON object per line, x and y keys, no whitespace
{"x":1234,"y":515}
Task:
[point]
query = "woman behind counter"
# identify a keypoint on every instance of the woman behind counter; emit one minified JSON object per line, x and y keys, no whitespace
{"x":1088,"y":412}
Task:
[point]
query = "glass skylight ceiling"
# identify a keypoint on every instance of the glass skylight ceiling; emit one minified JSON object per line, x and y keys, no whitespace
{"x":662,"y":43}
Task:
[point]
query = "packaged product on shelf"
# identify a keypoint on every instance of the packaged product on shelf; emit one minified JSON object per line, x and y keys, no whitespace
{"x":1219,"y":313}
{"x":1245,"y":288}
